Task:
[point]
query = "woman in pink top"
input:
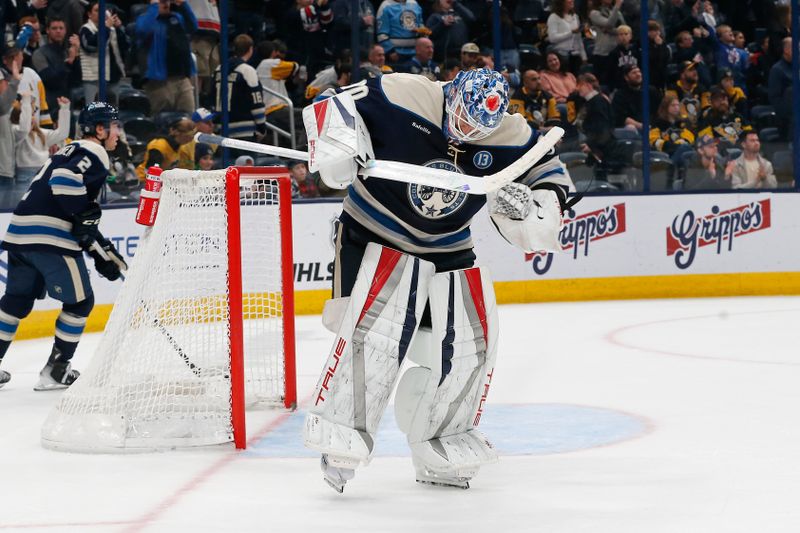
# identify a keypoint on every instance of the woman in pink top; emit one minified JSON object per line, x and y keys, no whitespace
{"x":556,"y":80}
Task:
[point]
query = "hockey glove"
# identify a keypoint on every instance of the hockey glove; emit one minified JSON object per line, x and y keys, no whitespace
{"x":513,"y":201}
{"x":107,"y":261}
{"x":86,"y":225}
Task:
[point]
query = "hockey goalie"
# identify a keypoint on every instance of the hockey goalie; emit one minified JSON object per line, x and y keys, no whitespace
{"x":405,"y":286}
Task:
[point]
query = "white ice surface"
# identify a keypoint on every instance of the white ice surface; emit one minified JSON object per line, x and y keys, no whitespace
{"x":712,"y":385}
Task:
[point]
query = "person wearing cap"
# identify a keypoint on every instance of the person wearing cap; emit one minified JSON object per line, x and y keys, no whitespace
{"x":244,"y":161}
{"x":303,"y":185}
{"x":720,"y":120}
{"x":752,"y":170}
{"x":163,"y":150}
{"x":203,"y":120}
{"x":469,"y":56}
{"x":706,"y":170}
{"x":736,"y":96}
{"x":627,"y":100}
{"x":448,"y":25}
{"x":693,"y":96}
{"x":204,"y":157}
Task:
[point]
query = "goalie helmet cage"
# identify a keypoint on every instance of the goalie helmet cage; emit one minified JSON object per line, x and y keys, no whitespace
{"x":203,"y":325}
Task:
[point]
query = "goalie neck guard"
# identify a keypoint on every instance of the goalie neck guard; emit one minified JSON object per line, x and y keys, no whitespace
{"x":475,"y":102}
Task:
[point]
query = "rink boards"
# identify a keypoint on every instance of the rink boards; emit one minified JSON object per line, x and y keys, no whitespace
{"x":614,"y":247}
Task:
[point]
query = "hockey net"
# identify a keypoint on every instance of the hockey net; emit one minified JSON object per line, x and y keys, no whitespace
{"x":202,"y":326}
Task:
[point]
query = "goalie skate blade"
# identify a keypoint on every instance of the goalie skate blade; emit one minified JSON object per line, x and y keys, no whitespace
{"x":338,"y":487}
{"x":452,"y":484}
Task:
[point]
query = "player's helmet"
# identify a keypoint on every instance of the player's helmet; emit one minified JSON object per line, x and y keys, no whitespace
{"x":475,"y":102}
{"x":96,"y":113}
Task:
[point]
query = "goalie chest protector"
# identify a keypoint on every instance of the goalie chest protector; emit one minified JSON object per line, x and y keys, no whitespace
{"x":404,"y":114}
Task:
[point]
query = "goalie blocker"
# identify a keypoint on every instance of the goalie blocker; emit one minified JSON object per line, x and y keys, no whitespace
{"x":439,"y":401}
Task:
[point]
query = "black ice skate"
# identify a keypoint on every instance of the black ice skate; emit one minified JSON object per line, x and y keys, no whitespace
{"x":56,"y":374}
{"x":5,"y":377}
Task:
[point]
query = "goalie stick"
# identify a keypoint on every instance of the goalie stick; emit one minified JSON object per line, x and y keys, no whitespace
{"x":408,"y":173}
{"x":196,"y":370}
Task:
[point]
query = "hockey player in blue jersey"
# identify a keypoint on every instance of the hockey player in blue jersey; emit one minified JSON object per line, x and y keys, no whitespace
{"x":54,"y":223}
{"x":405,"y":284}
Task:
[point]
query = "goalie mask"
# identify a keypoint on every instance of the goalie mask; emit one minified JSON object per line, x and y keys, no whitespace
{"x":475,"y":102}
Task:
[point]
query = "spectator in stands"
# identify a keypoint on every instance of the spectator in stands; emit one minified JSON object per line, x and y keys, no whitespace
{"x":671,"y":133}
{"x":399,"y":24}
{"x":245,"y":93}
{"x":163,"y":150}
{"x":28,"y":39}
{"x":33,"y":143}
{"x":780,"y":28}
{"x":248,"y":17}
{"x":422,"y":63}
{"x":469,"y":56}
{"x":564,"y":33}
{"x":556,"y":80}
{"x":204,"y":156}
{"x":90,"y":69}
{"x":302,"y":184}
{"x":342,"y":24}
{"x":726,"y":55}
{"x":165,"y":32}
{"x":56,"y":62}
{"x":720,"y":121}
{"x":594,"y":121}
{"x":752,"y":170}
{"x":449,"y":25}
{"x":627,"y":101}
{"x":758,"y":73}
{"x":624,"y":55}
{"x":70,"y":11}
{"x":687,"y":50}
{"x":736,"y":96}
{"x":205,"y":44}
{"x":681,"y":16}
{"x":660,"y":56}
{"x":273,"y":71}
{"x":203,"y":122}
{"x":31,"y":83}
{"x":10,"y":78}
{"x":305,"y":33}
{"x":693,"y":96}
{"x":779,"y":86}
{"x":326,"y":77}
{"x":376,"y":62}
{"x":450,"y":69}
{"x":605,"y":16}
{"x":532,"y":102}
{"x":706,"y":170}
{"x":245,"y":160}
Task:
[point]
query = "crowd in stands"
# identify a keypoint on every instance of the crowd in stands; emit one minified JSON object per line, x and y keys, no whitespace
{"x":720,"y":113}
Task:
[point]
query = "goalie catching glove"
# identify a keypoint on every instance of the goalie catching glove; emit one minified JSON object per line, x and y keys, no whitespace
{"x":530,"y":219}
{"x":107,"y":261}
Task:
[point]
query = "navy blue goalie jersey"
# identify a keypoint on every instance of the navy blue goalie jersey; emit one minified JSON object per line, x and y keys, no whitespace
{"x":404,"y":114}
{"x":65,"y":185}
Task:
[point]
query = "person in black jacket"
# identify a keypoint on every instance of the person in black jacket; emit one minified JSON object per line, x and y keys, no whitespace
{"x":594,"y":121}
{"x":57,"y":63}
{"x":627,"y":102}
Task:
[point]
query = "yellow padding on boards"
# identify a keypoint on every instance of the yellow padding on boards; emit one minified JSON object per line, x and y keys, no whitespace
{"x":42,"y":323}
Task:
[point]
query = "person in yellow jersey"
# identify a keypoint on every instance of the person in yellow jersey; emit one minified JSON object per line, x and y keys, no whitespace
{"x":163,"y":150}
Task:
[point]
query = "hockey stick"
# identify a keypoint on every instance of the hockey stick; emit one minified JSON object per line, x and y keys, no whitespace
{"x":154,"y":318}
{"x":408,"y":173}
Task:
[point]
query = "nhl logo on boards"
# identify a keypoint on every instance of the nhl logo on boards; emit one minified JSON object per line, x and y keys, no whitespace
{"x":432,"y":202}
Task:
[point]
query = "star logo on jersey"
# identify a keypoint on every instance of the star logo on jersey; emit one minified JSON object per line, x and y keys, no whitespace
{"x":432,"y":202}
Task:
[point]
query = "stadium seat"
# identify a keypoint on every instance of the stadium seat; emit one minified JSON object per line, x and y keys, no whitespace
{"x":783,"y":165}
{"x":529,"y":57}
{"x":764,"y":116}
{"x":769,"y":135}
{"x":134,"y":100}
{"x":627,"y":134}
{"x":142,"y":128}
{"x":126,"y":115}
{"x":661,"y":169}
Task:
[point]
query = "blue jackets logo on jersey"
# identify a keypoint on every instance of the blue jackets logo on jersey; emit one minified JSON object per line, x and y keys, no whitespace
{"x":431,"y":202}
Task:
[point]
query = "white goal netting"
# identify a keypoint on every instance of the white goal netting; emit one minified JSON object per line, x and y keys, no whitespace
{"x":162,"y":376}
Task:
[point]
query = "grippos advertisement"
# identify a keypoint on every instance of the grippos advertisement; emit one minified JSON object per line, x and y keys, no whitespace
{"x":601,"y":237}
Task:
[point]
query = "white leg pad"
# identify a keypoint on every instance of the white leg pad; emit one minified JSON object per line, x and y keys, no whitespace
{"x":439,"y":415}
{"x":377,"y":327}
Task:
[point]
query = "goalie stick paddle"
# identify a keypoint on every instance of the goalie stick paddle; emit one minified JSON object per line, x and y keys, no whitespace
{"x":154,"y":319}
{"x":408,"y":173}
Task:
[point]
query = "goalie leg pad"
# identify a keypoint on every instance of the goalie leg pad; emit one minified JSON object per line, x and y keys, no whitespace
{"x":382,"y":314}
{"x":439,"y":403}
